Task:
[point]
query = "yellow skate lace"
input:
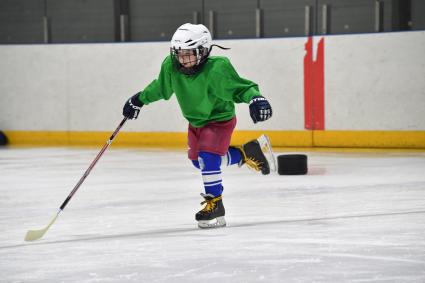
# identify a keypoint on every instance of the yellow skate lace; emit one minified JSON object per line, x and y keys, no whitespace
{"x":250,"y":161}
{"x":210,"y":204}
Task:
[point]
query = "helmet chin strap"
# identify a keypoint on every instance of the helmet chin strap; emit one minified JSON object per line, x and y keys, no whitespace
{"x":210,"y":49}
{"x":221,"y":47}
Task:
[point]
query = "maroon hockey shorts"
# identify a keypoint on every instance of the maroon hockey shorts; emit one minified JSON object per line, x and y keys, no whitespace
{"x":214,"y":137}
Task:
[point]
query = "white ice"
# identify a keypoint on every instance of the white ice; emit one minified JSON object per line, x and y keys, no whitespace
{"x":356,"y":217}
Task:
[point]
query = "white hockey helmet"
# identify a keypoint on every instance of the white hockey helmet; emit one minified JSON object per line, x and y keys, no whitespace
{"x":191,"y":37}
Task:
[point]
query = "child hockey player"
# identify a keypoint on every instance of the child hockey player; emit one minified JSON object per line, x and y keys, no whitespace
{"x":207,"y":88}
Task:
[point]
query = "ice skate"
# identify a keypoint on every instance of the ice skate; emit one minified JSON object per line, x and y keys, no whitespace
{"x":212,"y":215}
{"x":258,"y":155}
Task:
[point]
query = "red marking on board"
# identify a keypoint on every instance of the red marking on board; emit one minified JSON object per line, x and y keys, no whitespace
{"x":314,"y":86}
{"x":308,"y":85}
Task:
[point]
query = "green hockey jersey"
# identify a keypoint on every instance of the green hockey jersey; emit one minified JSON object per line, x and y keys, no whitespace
{"x":209,"y":95}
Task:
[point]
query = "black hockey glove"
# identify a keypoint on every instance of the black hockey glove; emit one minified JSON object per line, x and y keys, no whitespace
{"x":132,"y":107}
{"x":260,"y":109}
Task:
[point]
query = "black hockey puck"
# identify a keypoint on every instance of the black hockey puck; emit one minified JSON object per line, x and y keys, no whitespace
{"x":292,"y":164}
{"x":3,"y":139}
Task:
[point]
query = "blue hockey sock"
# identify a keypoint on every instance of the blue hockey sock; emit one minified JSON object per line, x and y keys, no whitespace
{"x":233,"y":156}
{"x":211,"y":172}
{"x":196,"y":164}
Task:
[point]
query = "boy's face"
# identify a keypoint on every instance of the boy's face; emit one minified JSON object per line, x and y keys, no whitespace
{"x":187,"y":58}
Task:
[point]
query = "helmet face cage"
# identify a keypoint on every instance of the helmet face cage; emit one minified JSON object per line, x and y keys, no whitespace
{"x":200,"y":54}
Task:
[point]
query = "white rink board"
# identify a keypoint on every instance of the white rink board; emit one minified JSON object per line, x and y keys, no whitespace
{"x":375,"y":82}
{"x":372,"y":82}
{"x":79,"y":87}
{"x":82,"y":87}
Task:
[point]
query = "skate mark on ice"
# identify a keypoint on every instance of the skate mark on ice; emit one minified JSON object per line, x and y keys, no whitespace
{"x":323,"y":218}
{"x":173,"y":232}
{"x":146,"y":234}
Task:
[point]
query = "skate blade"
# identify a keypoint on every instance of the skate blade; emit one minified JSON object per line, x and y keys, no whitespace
{"x":266,"y":148}
{"x":214,"y":223}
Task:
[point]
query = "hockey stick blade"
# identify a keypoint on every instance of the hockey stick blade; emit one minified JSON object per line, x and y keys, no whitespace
{"x":33,"y":235}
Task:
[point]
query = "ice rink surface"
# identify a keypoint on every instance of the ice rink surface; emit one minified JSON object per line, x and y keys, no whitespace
{"x":356,"y":217}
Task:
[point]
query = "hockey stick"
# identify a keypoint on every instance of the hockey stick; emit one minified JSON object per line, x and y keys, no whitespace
{"x":33,"y":235}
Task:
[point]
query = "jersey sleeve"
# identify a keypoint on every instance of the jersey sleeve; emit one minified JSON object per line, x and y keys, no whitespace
{"x":230,"y":86}
{"x":161,"y":88}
